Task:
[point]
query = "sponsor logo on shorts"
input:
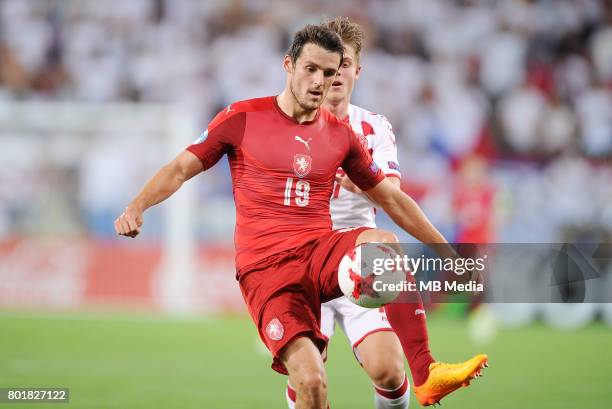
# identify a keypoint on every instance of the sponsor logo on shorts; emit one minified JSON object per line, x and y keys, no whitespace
{"x":275,"y":330}
{"x":419,"y":311}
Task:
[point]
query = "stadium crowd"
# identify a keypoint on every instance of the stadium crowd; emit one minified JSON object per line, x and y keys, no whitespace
{"x":502,"y":109}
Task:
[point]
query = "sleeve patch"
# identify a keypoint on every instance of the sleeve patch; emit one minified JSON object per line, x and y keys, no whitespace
{"x":374,"y":168}
{"x":393,"y":165}
{"x":201,"y":138}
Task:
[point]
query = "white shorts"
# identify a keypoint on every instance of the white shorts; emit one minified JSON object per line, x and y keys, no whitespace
{"x":356,"y":322}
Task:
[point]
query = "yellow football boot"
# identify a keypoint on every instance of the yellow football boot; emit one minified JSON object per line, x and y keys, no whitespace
{"x":446,"y":378}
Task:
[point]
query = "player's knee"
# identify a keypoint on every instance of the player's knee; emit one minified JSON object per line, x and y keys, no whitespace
{"x":387,"y":374}
{"x":387,"y":237}
{"x":313,"y":384}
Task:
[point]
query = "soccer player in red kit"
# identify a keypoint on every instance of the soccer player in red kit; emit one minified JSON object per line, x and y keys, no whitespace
{"x":284,"y":152}
{"x":374,"y":344}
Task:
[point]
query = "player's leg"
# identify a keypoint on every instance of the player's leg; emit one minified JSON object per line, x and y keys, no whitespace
{"x":378,"y":350}
{"x":286,"y":309}
{"x":432,"y":380}
{"x":328,"y":323}
{"x":440,"y":378}
{"x":406,"y":319}
{"x":306,"y":373}
{"x":381,"y":356}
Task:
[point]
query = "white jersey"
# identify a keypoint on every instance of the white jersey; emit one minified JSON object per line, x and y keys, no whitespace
{"x":354,"y":210}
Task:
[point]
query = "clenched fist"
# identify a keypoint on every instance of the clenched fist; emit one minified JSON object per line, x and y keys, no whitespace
{"x":129,"y":222}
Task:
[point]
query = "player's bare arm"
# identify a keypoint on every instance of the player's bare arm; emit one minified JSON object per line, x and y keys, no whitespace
{"x":407,"y":214}
{"x":160,"y":187}
{"x":348,"y":184}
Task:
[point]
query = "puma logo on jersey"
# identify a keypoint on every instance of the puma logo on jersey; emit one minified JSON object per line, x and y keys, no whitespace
{"x":229,"y":109}
{"x":297,"y":138}
{"x":419,"y":311}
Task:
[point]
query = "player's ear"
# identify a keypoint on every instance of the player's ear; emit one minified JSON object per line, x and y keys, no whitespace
{"x":358,"y":71}
{"x":288,"y":64}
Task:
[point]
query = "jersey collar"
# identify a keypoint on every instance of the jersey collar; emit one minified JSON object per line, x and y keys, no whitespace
{"x":292,"y":119}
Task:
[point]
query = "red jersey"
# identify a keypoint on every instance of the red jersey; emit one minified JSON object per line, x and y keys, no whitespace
{"x":282,"y":173}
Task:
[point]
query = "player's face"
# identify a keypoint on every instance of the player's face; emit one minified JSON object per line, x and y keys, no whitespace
{"x":311,"y":76}
{"x":342,"y":86}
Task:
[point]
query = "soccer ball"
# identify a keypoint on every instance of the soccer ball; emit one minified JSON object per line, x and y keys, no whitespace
{"x":360,"y":284}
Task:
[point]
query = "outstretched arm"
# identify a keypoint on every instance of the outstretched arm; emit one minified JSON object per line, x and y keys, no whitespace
{"x":407,"y":214}
{"x":160,"y":187}
{"x":348,"y":184}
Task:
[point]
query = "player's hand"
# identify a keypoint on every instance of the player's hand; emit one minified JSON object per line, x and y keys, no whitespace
{"x":129,"y":222}
{"x":347,"y":184}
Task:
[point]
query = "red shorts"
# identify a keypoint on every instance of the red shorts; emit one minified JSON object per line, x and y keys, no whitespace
{"x":284,"y":292}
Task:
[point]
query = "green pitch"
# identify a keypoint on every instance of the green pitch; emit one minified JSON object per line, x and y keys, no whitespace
{"x":128,"y":361}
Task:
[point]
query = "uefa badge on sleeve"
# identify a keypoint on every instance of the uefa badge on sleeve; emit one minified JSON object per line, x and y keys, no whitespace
{"x":393,"y":165}
{"x":201,"y":138}
{"x":374,"y":168}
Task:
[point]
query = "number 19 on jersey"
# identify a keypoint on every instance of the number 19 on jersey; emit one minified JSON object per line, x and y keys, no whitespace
{"x":301,"y":190}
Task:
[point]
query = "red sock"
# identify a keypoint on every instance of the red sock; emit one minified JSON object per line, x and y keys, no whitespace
{"x":409,"y":323}
{"x":291,"y":396}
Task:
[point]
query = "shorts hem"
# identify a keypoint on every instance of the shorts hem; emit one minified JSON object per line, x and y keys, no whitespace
{"x":364,"y":336}
{"x":279,"y":366}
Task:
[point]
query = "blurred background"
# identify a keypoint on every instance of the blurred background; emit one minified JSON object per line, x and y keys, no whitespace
{"x":502,"y":112}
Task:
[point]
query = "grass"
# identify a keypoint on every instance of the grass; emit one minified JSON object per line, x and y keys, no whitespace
{"x":143,"y":361}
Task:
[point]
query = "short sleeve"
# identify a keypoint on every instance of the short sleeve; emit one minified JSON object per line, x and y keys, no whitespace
{"x":222,"y":136}
{"x":359,"y":165}
{"x":384,"y":151}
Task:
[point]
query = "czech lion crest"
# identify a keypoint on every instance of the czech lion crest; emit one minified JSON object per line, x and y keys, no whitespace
{"x":301,"y":164}
{"x":275,"y":330}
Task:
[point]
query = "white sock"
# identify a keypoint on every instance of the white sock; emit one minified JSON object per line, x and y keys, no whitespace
{"x":398,"y":398}
{"x":290,"y":395}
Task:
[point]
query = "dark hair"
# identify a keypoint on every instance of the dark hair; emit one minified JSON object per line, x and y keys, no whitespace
{"x":318,"y":35}
{"x":351,"y":33}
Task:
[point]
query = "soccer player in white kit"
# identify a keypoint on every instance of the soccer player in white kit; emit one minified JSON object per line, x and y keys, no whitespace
{"x":374,"y":343}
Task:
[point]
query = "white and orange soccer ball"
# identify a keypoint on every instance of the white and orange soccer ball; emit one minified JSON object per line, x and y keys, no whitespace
{"x":360,"y":284}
